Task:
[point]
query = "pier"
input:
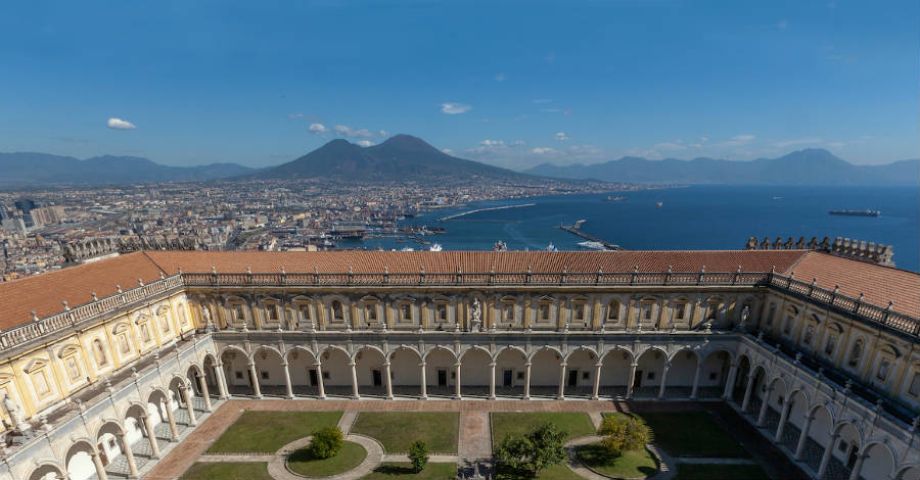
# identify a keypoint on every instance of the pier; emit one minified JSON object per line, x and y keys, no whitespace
{"x":486,"y":209}
{"x":575,"y":229}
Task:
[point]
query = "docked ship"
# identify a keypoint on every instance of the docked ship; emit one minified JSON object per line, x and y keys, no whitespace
{"x":856,"y":213}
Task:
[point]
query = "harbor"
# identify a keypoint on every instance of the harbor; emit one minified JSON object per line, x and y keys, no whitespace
{"x":592,"y":242}
{"x":485,"y":209}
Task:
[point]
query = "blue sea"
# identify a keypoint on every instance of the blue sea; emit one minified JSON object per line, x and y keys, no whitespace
{"x":699,"y":217}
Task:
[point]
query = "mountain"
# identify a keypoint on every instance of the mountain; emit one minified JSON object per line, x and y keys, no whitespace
{"x":29,"y":169}
{"x":400,"y":158}
{"x":803,"y":167}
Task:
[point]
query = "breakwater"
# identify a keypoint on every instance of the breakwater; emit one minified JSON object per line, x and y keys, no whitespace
{"x":575,"y":229}
{"x":486,"y":209}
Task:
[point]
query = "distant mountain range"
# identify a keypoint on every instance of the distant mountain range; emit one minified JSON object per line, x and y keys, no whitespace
{"x":400,"y":158}
{"x":802,"y":167}
{"x":32,"y":169}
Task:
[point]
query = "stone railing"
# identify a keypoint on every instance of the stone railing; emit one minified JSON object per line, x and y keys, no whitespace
{"x":856,"y":307}
{"x":87,"y":313}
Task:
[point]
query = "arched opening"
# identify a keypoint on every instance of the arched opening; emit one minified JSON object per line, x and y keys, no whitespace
{"x":544,"y":377}
{"x":210,"y":376}
{"x":304,"y":371}
{"x":109,"y":446}
{"x":79,"y":461}
{"x":679,"y":379}
{"x":474,"y":373}
{"x":649,"y":369}
{"x":742,"y":377}
{"x":439,"y":372}
{"x":237,"y":371}
{"x":405,"y":366}
{"x":270,"y":371}
{"x":159,"y":409}
{"x":878,"y":462}
{"x":775,"y":396}
{"x":139,"y":438}
{"x":197,"y":382}
{"x":615,"y":372}
{"x":510,"y":372}
{"x":46,"y":472}
{"x":336,"y":365}
{"x":845,"y":452}
{"x":713,"y":374}
{"x":757,"y":388}
{"x":797,"y":403}
{"x":579,"y":373}
{"x":819,"y":434}
{"x":369,"y":364}
{"x":909,"y":473}
{"x":180,"y":408}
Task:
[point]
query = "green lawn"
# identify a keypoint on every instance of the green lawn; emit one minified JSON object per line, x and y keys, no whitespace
{"x":692,"y":434}
{"x":266,"y":432}
{"x":350,"y":456}
{"x":432,"y":471}
{"x":397,"y":430}
{"x":630,"y":464}
{"x":575,"y":424}
{"x":719,"y":472}
{"x":227,"y":471}
{"x":556,"y":472}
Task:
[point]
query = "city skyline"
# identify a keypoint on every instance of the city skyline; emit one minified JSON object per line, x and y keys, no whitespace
{"x":513,"y":87}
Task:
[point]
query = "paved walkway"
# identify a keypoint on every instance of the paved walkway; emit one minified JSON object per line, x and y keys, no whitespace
{"x":278,"y":470}
{"x":347,"y":420}
{"x":475,"y":437}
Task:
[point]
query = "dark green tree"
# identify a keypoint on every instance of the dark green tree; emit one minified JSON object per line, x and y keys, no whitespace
{"x":418,"y":455}
{"x":622,"y":433}
{"x":326,"y":442}
{"x":541,"y":448}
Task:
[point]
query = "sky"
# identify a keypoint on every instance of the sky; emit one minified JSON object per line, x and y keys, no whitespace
{"x":512,"y":83}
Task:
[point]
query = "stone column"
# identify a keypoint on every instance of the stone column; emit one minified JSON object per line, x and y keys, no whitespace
{"x":826,"y":458}
{"x":319,"y":380}
{"x":632,"y":379}
{"x":151,"y":436}
{"x":189,"y":405}
{"x":389,"y":380}
{"x":730,"y":381}
{"x":171,"y":418}
{"x":664,"y":380}
{"x":289,"y":392}
{"x":221,"y":382}
{"x":424,"y":381}
{"x":857,"y":467}
{"x":203,"y":385}
{"x":354,"y":380}
{"x":129,"y":455}
{"x":100,"y":468}
{"x":561,"y":394}
{"x":527,"y":381}
{"x":696,"y":380}
{"x":596,"y":388}
{"x":762,"y":417}
{"x":492,"y":381}
{"x":803,"y":438}
{"x":256,"y":388}
{"x":748,"y":391}
{"x":457,"y":381}
{"x":784,"y":415}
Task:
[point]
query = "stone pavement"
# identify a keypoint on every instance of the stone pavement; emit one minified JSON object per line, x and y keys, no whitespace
{"x":475,"y":442}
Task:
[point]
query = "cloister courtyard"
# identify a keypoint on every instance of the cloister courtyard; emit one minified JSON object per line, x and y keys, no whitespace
{"x":263,"y":439}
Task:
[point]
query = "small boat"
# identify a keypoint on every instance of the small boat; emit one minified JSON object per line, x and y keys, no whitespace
{"x":857,"y":213}
{"x":407,"y":249}
{"x":551,"y":247}
{"x":615,"y":198}
{"x":500,"y":246}
{"x":435,"y":247}
{"x":659,"y":204}
{"x":592,"y":245}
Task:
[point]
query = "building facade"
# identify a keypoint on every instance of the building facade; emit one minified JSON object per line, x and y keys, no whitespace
{"x":102,"y":380}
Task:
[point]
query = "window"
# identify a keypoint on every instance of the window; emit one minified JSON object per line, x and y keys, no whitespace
{"x":406,"y":309}
{"x":586,"y":375}
{"x":123,"y":345}
{"x":856,"y":353}
{"x":647,"y":311}
{"x":883,"y":368}
{"x":40,"y":382}
{"x":809,"y":334}
{"x":787,"y":327}
{"x":713,"y":375}
{"x":681,"y":310}
{"x":239,"y":313}
{"x":238,"y":375}
{"x":370,"y":312}
{"x":830,"y":345}
{"x":508,"y":312}
{"x":273,"y":313}
{"x":338,"y":313}
{"x":305,"y":313}
{"x":544,"y":312}
{"x":650,"y":376}
{"x":713,"y":311}
{"x":613,"y":311}
{"x":580,"y":312}
{"x":915,"y":386}
{"x":264,"y":375}
{"x":441,"y":312}
{"x":325,"y":375}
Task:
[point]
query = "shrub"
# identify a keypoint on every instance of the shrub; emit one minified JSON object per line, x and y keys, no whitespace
{"x":541,"y":448}
{"x":622,"y":433}
{"x":418,"y":455}
{"x":326,"y":442}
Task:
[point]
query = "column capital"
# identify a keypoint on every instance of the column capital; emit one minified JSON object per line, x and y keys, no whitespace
{"x":492,"y":364}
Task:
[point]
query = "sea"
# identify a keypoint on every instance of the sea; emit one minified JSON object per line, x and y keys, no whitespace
{"x":687,"y":218}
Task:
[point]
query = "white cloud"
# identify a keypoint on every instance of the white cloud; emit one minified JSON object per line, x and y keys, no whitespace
{"x":782,"y":24}
{"x":318,"y":128}
{"x":500,"y":77}
{"x":492,"y":143}
{"x":119,"y":124}
{"x":447,"y":151}
{"x":365,"y":143}
{"x":543,"y":151}
{"x":561,"y":136}
{"x":346,"y":131}
{"x":739,"y":140}
{"x":453,"y":108}
{"x":295,"y":116}
{"x":798,"y":141}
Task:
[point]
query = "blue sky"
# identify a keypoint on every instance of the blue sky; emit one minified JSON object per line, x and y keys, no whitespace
{"x":510,"y":83}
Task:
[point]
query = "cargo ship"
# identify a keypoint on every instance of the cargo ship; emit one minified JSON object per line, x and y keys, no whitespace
{"x":856,"y":213}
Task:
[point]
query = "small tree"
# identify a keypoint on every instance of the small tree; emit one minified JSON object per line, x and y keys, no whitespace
{"x":622,"y":433}
{"x":326,"y":442}
{"x":541,"y":448}
{"x":418,"y":455}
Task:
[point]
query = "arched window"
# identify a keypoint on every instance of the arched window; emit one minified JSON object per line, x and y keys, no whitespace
{"x":305,"y":312}
{"x":273,"y":312}
{"x":544,"y":312}
{"x":856,"y":353}
{"x":613,"y":311}
{"x":406,"y":312}
{"x":99,"y":353}
{"x":239,"y":312}
{"x":883,"y":368}
{"x":809,"y":334}
{"x":338,"y":313}
{"x":370,"y":312}
{"x":680,"y":310}
{"x":831,"y":344}
{"x":441,"y":313}
{"x":508,"y":312}
{"x":164,"y":323}
{"x":579,"y":311}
